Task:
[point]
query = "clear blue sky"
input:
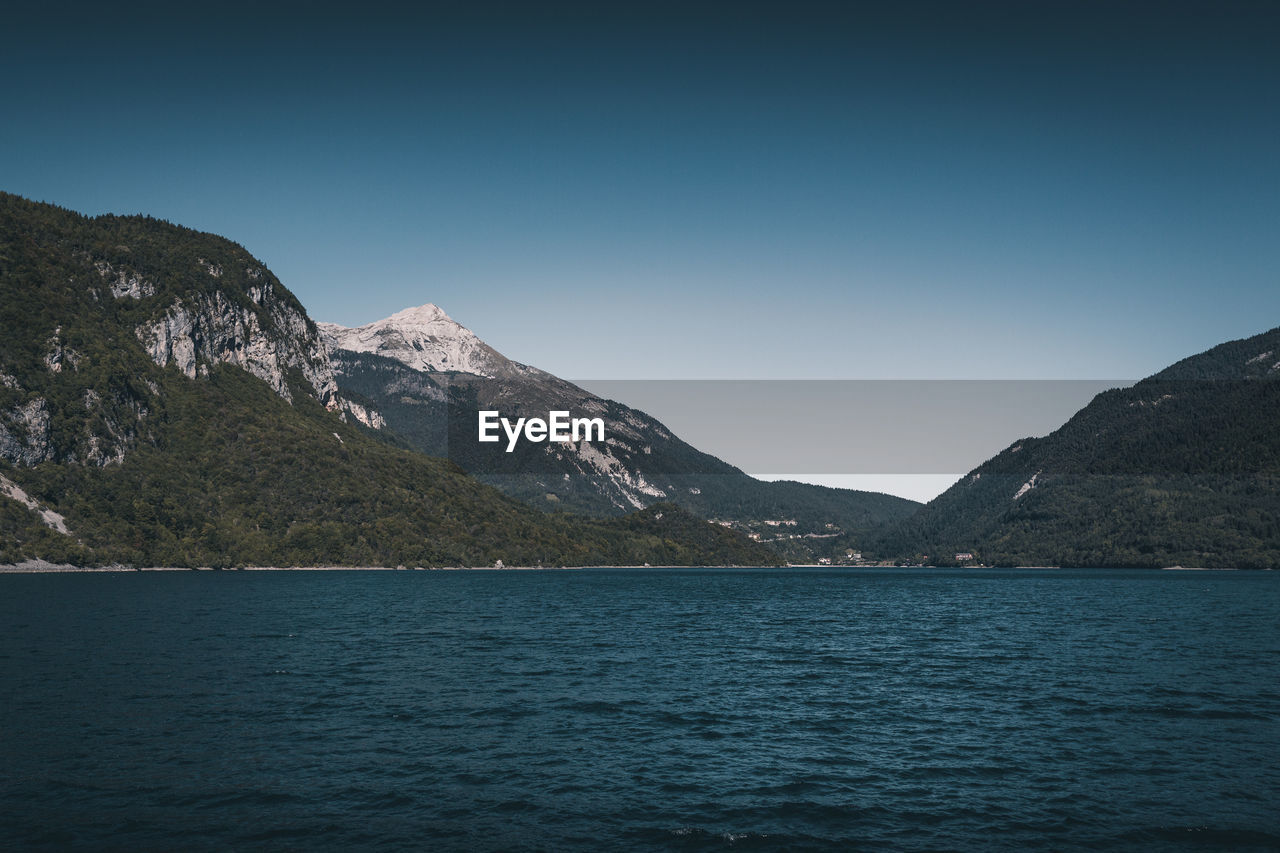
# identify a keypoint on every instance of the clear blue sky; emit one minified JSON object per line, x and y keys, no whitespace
{"x":683,"y":190}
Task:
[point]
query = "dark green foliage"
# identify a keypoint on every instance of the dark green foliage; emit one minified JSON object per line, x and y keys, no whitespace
{"x":237,"y":481}
{"x":436,"y":413}
{"x":1181,"y":469}
{"x":221,"y":471}
{"x":669,"y":535}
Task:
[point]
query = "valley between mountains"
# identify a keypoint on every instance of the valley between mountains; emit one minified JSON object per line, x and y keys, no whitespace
{"x":171,"y":403}
{"x":166,"y":401}
{"x":422,"y":377}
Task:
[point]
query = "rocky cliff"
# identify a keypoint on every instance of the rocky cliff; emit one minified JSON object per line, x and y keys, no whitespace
{"x":86,"y":304}
{"x":267,"y":339}
{"x":165,"y":400}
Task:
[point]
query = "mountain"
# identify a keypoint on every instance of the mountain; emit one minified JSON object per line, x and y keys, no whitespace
{"x":424,"y":338}
{"x":165,"y":400}
{"x":1182,"y":468}
{"x":423,"y":378}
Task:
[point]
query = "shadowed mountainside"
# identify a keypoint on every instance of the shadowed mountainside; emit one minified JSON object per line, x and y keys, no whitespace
{"x":165,"y":396}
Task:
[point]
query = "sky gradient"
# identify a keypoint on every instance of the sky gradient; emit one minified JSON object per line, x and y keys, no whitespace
{"x":750,"y":190}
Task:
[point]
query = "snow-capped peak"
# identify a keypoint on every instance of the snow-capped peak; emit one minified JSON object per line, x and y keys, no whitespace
{"x":424,"y":338}
{"x":420,"y":316}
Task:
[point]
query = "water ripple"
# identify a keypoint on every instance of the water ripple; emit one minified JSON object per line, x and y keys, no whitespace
{"x":663,"y":709}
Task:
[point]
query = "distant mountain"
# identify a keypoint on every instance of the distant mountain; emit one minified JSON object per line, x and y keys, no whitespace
{"x":424,"y":338}
{"x":165,"y":400}
{"x":424,"y":377}
{"x":1183,"y":468}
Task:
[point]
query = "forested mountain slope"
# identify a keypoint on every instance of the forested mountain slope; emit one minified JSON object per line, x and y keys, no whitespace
{"x":164,"y":400}
{"x":1182,"y":468}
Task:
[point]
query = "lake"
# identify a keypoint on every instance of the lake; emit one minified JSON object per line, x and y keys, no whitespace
{"x":689,"y":709}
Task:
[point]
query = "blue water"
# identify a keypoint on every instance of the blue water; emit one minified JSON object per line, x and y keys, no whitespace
{"x":641,"y":709}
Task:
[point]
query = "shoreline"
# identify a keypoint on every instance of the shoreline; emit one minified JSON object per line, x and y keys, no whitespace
{"x":44,"y":567}
{"x":41,"y":567}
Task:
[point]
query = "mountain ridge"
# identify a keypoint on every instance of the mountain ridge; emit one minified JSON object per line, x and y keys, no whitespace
{"x":171,"y":403}
{"x":1181,"y":468}
{"x":423,"y":338}
{"x":640,"y":463}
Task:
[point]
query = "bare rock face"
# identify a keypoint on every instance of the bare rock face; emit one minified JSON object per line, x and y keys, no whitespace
{"x":26,"y":438}
{"x":267,"y":334}
{"x":125,"y":283}
{"x":58,"y":354}
{"x":435,"y":347}
{"x":48,"y":517}
{"x":365,"y":415}
{"x":424,"y":338}
{"x":24,"y":433}
{"x":209,"y":328}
